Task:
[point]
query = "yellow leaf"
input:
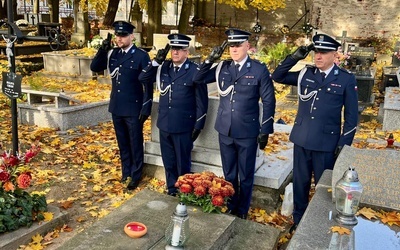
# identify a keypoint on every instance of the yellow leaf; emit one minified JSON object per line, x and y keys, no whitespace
{"x":37,"y":238}
{"x":47,"y":150}
{"x":368,"y":213}
{"x":48,"y":216}
{"x":96,"y":188}
{"x":340,"y":230}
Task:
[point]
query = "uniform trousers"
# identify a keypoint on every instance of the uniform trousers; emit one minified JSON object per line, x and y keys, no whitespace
{"x":238,"y":157}
{"x":129,"y":133}
{"x":305,"y":162}
{"x":176,"y":151}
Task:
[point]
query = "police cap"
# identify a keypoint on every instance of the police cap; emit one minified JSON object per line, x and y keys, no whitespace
{"x":179,"y":41}
{"x":236,"y":36}
{"x":123,"y":28}
{"x":325,"y":43}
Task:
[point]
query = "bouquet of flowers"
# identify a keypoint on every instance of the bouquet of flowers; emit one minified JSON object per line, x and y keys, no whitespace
{"x":397,"y":54}
{"x":13,"y":172}
{"x":206,"y":190}
{"x":343,"y":59}
{"x":18,"y":208}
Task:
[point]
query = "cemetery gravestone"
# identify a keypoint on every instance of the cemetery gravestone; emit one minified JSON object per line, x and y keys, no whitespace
{"x":378,"y":171}
{"x":396,"y":56}
{"x":363,"y":56}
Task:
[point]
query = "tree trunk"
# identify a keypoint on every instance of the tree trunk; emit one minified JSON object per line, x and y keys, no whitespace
{"x":154,"y":23}
{"x":111,"y":12}
{"x":54,"y":9}
{"x":185,"y":14}
{"x":200,"y":10}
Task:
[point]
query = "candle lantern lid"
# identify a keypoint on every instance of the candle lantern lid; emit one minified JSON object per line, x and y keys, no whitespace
{"x":181,"y":210}
{"x":350,"y":175}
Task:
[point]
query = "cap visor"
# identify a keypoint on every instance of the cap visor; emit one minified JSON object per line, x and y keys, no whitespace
{"x":121,"y":33}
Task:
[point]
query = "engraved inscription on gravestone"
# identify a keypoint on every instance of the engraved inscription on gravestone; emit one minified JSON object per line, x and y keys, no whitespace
{"x":363,"y":55}
{"x":378,"y":171}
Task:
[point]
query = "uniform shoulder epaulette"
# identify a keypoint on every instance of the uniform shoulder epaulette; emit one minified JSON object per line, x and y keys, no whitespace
{"x":311,"y":66}
{"x":345,"y":70}
{"x":227,"y":61}
{"x":258,"y":61}
{"x":142,"y":50}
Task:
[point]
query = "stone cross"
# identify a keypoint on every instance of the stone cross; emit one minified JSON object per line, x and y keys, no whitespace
{"x":343,"y":39}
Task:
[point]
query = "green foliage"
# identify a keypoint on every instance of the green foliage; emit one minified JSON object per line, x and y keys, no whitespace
{"x":272,"y":54}
{"x":204,"y":202}
{"x":19,"y":209}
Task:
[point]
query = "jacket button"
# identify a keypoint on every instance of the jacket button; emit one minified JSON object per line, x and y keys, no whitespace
{"x":319,"y":89}
{"x":233,"y":110}
{"x":119,"y":91}
{"x":312,"y":117}
{"x":317,"y":98}
{"x":332,"y":132}
{"x":329,"y":89}
{"x":315,"y":108}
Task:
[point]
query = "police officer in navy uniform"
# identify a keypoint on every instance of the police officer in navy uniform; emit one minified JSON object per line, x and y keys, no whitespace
{"x":130,"y":100}
{"x":182,"y":108}
{"x":241,"y":82}
{"x":317,"y":134}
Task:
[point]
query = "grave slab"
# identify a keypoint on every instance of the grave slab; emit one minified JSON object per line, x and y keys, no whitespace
{"x":64,"y":118}
{"x":207,"y":231}
{"x":271,"y":169}
{"x":391,"y":109}
{"x":378,"y":171}
{"x":314,"y":230}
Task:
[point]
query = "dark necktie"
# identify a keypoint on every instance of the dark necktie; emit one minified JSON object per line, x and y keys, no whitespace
{"x":237,"y":66}
{"x":123,"y":53}
{"x":176,"y":69}
{"x":323,"y":76}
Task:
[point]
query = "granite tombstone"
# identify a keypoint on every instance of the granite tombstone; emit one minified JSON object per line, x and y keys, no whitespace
{"x":378,"y":171}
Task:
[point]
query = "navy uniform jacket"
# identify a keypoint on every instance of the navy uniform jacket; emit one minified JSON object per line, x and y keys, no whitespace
{"x":318,"y":121}
{"x":183,"y":104}
{"x":128,"y":96}
{"x":238,"y":113}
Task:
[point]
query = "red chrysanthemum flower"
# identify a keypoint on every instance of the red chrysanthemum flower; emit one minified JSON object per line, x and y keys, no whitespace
{"x":185,"y":188}
{"x":4,"y":176}
{"x":217,"y":200}
{"x":206,"y":183}
{"x":200,"y":191}
{"x":196,"y":182}
{"x":24,"y":180}
{"x":214,"y":191}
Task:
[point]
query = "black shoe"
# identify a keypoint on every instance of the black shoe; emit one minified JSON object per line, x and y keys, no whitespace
{"x":123,"y":179}
{"x":172,"y":193}
{"x":132,"y":185}
{"x":242,"y":216}
{"x":230,"y":211}
{"x":293,"y":228}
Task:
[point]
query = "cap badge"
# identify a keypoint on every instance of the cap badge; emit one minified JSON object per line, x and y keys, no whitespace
{"x":231,"y":32}
{"x":321,"y":38}
{"x":176,"y":37}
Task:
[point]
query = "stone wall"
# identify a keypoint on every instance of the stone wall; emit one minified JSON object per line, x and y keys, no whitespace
{"x":360,"y":18}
